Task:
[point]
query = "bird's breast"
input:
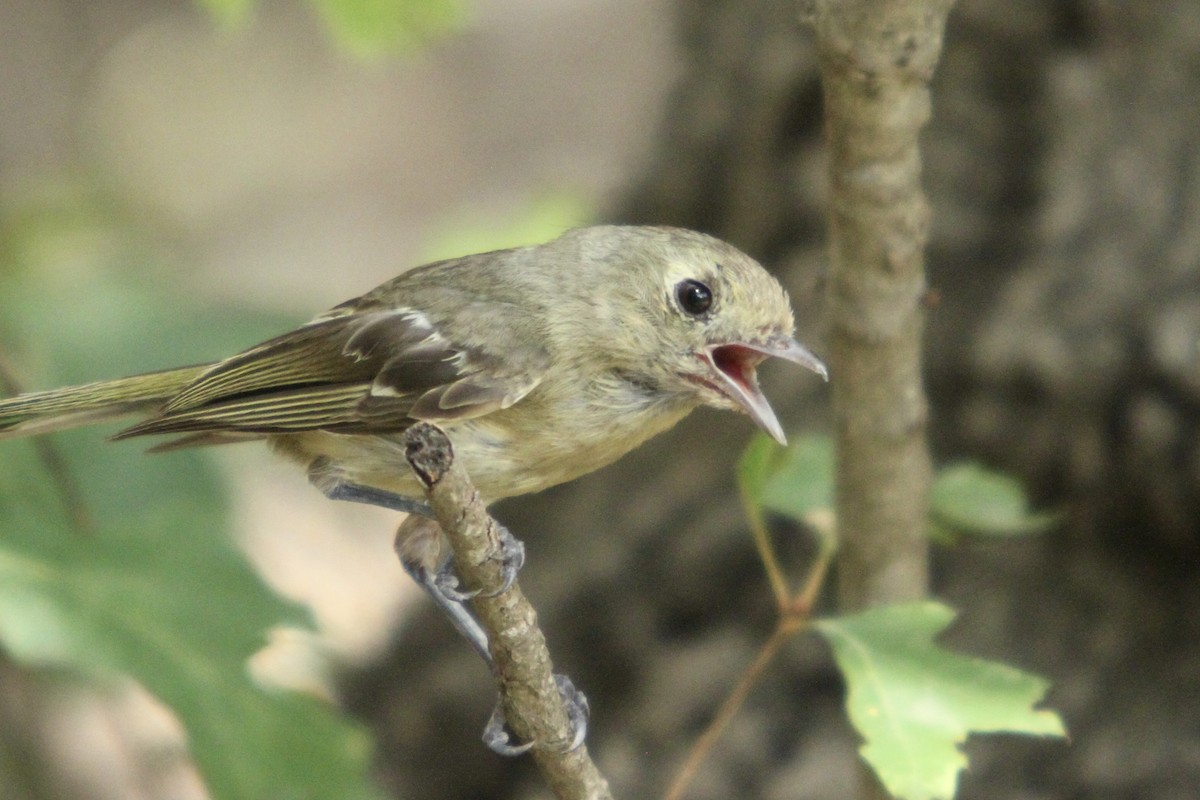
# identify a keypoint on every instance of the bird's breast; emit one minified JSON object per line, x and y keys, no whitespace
{"x":547,"y":438}
{"x":561,"y":431}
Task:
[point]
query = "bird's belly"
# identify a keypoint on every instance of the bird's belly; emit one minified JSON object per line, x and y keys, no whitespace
{"x":503,"y":459}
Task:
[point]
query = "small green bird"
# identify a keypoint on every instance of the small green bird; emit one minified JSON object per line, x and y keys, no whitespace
{"x":540,"y":363}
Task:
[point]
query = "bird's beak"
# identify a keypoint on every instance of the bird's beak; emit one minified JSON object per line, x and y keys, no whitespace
{"x":735,"y":366}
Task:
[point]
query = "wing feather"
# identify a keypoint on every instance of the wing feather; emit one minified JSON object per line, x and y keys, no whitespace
{"x":288,"y":410}
{"x":373,"y":371}
{"x":308,"y":355}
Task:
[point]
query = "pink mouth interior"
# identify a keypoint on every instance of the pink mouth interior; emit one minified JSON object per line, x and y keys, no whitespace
{"x":738,"y":364}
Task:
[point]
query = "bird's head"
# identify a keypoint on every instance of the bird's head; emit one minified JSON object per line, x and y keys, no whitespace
{"x":709,"y":315}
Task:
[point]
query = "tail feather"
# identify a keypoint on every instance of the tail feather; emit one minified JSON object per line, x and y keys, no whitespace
{"x":36,"y":413}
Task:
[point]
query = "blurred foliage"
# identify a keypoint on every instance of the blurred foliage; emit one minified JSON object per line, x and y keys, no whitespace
{"x":229,"y":12}
{"x":366,"y":28}
{"x":913,"y":703}
{"x":967,"y":499}
{"x":154,"y":589}
{"x":793,"y":481}
{"x":545,"y":218}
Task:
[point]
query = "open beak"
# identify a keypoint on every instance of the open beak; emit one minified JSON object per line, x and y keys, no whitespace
{"x":735,"y":366}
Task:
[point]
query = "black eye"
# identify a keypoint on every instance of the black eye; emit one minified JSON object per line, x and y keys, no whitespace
{"x":693,"y":296}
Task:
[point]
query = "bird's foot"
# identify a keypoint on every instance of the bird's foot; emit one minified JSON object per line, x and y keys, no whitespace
{"x":419,"y":544}
{"x":499,"y":740}
{"x":512,"y":558}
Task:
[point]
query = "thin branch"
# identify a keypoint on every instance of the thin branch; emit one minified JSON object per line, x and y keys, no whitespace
{"x":794,"y":612}
{"x":530,"y":698}
{"x":824,"y":525}
{"x":729,"y":709}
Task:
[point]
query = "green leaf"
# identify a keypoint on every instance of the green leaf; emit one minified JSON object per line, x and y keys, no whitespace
{"x":159,"y":593}
{"x":968,"y":498}
{"x":793,"y":481}
{"x":156,"y":590}
{"x":375,"y":28}
{"x":915,"y":703}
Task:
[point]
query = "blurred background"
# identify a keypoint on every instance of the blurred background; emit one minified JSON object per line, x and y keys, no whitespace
{"x":178,"y":181}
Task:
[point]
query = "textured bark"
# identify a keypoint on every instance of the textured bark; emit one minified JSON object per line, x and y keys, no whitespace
{"x":876,"y":62}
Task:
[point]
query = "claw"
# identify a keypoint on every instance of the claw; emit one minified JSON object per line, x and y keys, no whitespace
{"x":447,"y":583}
{"x":498,"y":739}
{"x":578,"y":710}
{"x":512,"y":558}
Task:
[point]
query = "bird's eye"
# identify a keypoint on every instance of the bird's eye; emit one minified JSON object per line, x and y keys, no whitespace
{"x":693,"y":296}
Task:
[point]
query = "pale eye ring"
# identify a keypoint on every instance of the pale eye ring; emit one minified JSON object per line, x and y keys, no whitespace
{"x":693,"y":297}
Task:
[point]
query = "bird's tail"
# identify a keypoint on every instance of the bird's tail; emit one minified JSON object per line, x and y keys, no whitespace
{"x":58,"y":409}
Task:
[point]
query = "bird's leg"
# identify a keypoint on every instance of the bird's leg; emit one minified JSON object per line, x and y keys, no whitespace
{"x":419,"y":546}
{"x":357,"y":493}
{"x":439,"y":576}
{"x":436,"y":577}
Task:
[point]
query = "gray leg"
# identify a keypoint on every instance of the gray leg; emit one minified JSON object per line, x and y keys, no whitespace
{"x":378,"y":497}
{"x":329,"y":478}
{"x":418,"y":544}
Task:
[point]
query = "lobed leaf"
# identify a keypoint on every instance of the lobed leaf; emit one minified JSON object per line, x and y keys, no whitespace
{"x":915,"y":703}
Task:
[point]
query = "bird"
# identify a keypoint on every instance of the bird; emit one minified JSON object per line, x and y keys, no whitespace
{"x":540,"y":363}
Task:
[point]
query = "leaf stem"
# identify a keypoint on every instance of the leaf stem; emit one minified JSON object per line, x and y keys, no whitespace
{"x":787,"y":627}
{"x":766,"y":551}
{"x":794,"y":614}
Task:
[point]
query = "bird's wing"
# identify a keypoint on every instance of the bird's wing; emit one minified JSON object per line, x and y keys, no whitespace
{"x":369,"y":371}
